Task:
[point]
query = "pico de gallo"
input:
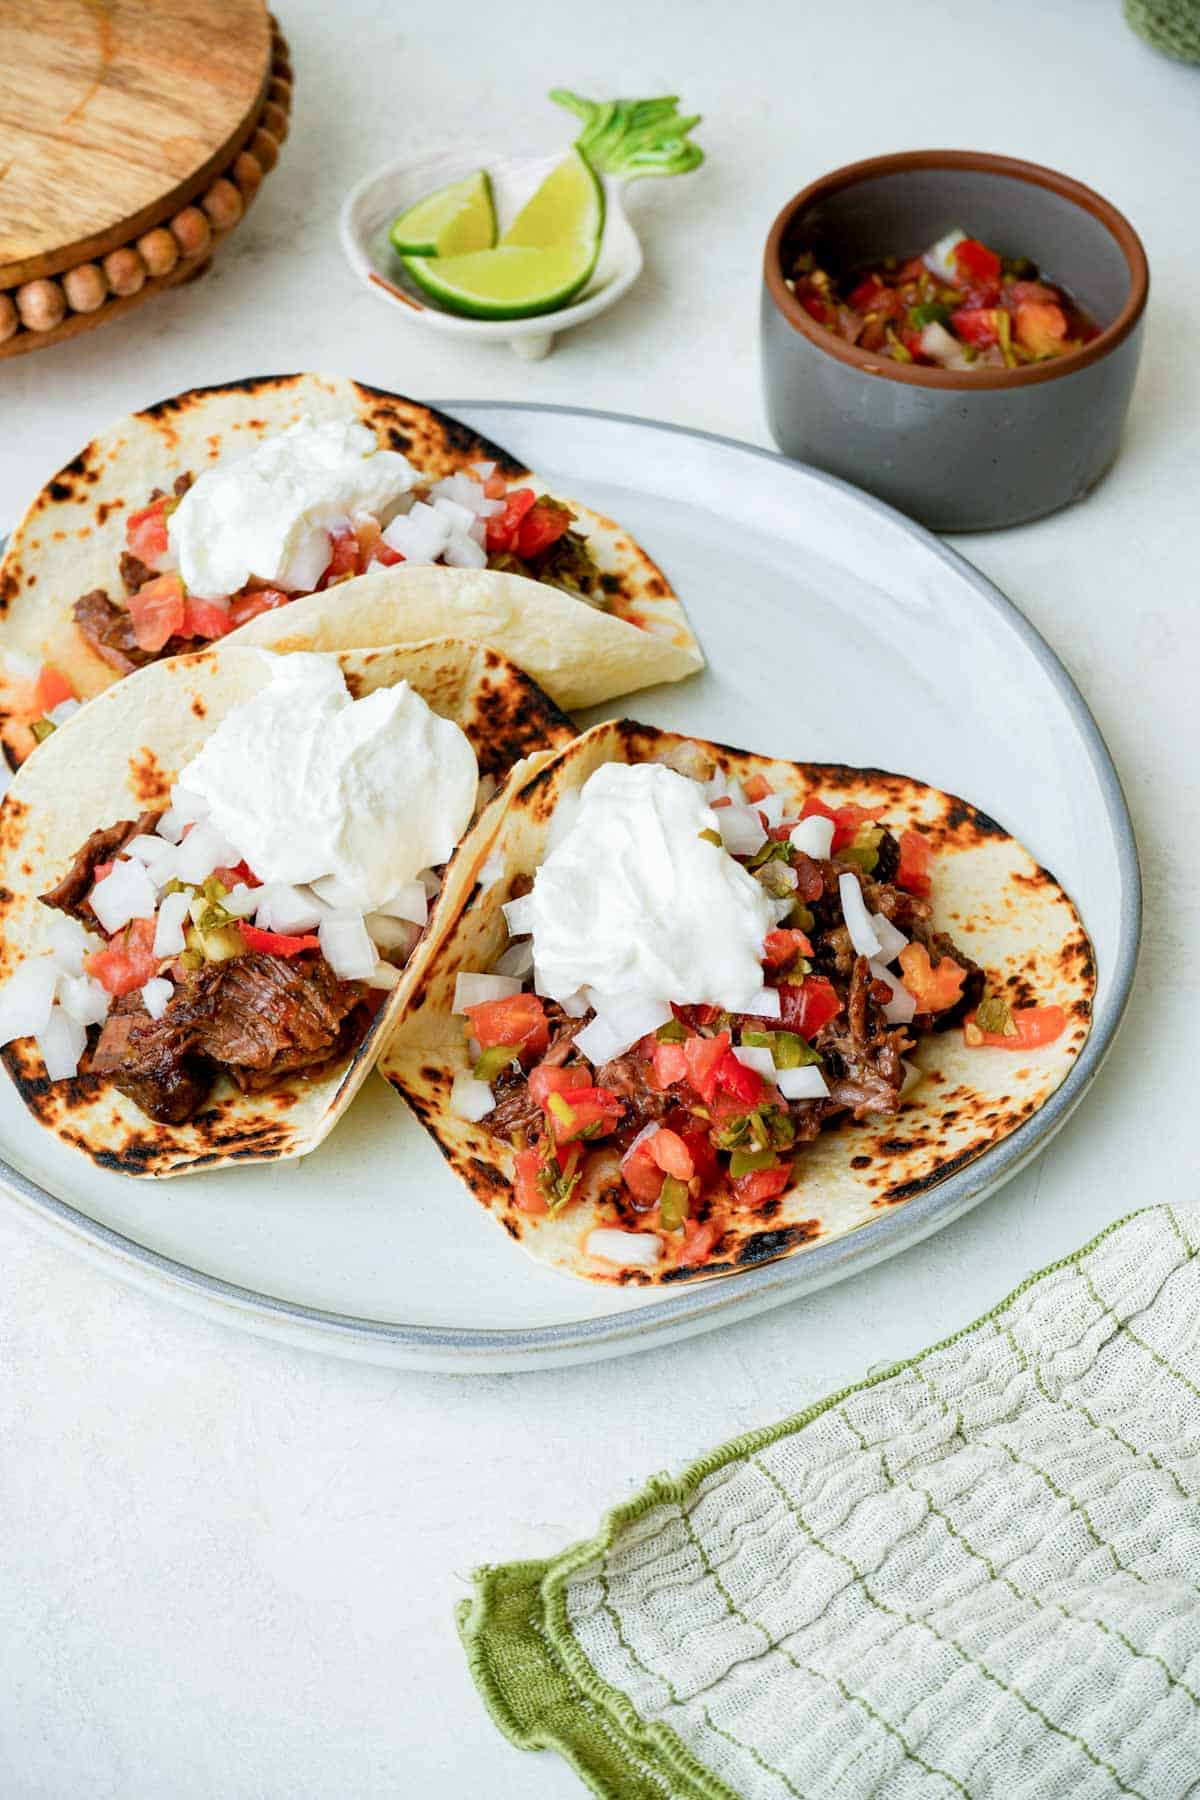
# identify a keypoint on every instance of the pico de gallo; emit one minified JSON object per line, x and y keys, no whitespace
{"x":958,"y":305}
{"x":472,"y":519}
{"x":704,"y":1118}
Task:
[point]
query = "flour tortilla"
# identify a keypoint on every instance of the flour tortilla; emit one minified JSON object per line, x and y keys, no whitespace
{"x":1009,"y":914}
{"x":117,"y":758}
{"x":70,"y":540}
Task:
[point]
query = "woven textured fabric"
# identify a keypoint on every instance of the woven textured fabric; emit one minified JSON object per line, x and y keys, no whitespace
{"x":976,"y":1573}
{"x":1170,"y":25}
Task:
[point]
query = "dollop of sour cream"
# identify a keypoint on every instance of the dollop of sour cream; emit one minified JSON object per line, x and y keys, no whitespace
{"x":267,"y":515}
{"x":633,"y":903}
{"x":307,"y":782}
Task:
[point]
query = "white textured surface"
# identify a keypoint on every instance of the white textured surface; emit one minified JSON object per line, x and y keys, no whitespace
{"x":226,"y":1568}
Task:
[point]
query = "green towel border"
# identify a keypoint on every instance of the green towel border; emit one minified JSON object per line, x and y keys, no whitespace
{"x":536,"y":1682}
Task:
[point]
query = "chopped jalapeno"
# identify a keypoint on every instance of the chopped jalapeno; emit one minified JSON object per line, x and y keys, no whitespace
{"x":711,"y":837}
{"x":673,"y":1203}
{"x":744,"y":1162}
{"x":41,"y":729}
{"x":865,"y":849}
{"x":671,"y":1033}
{"x":929,"y":313}
{"x":791,"y":1051}
{"x":492,"y":1062}
{"x":562,"y":1112}
{"x":995,"y":1015}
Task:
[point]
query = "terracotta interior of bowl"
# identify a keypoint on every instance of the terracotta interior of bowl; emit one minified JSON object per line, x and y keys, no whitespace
{"x":901,"y":213}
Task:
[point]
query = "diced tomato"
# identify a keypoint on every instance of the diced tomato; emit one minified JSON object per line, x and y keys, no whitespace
{"x":934,"y":987}
{"x":495,"y":487}
{"x":670,"y":1064}
{"x":128,"y":962}
{"x":344,"y":557}
{"x":502,"y":527}
{"x":146,"y":531}
{"x":1036,"y":1025}
{"x":526,"y":1192}
{"x":911,"y":339}
{"x":275,"y":943}
{"x":756,"y":787}
{"x":746,"y":1085}
{"x":912,"y":871}
{"x":706,"y":1164}
{"x":698,"y":1242}
{"x":1017,"y":292}
{"x":544,"y":1081}
{"x":519,"y":1020}
{"x":703,"y":1056}
{"x":696,"y":1016}
{"x":668,"y":1150}
{"x":973,"y":261}
{"x":1040,"y":327}
{"x":868,"y":294}
{"x":761,"y":1184}
{"x":546,"y":521}
{"x":781,"y":947}
{"x":257,"y":600}
{"x":157,"y":611}
{"x":50,"y":690}
{"x":976,"y":324}
{"x":205,"y":619}
{"x":641,"y":1174}
{"x":806,"y":1007}
{"x":371,"y":545}
{"x":814,"y":304}
{"x":594,"y":1110}
{"x":847,"y":818}
{"x":229,"y":875}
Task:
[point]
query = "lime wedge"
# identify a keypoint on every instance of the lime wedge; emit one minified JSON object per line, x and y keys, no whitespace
{"x":451,"y":222}
{"x":513,"y":281}
{"x":568,"y":208}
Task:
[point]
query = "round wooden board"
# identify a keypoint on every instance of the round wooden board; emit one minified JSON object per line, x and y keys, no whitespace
{"x":115,"y":116}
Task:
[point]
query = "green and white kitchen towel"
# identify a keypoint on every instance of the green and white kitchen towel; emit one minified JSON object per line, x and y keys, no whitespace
{"x":975,"y":1573}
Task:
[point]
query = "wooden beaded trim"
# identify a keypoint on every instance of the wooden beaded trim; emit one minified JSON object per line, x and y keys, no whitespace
{"x":51,"y":308}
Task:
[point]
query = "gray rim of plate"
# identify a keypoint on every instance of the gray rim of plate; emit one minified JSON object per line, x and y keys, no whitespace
{"x":702,"y":1305}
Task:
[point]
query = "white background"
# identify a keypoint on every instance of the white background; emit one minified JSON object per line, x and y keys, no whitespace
{"x":228,"y":1568}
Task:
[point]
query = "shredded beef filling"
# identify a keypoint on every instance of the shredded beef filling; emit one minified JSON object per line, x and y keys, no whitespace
{"x":253,"y":1018}
{"x":70,"y":894}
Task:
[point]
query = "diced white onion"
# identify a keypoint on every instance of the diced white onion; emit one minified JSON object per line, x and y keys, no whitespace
{"x":741,"y":829}
{"x":392,"y":934}
{"x":168,"y":931}
{"x":420,"y":535}
{"x":459,"y":516}
{"x":202,"y":851}
{"x":913,"y":1076}
{"x":69,"y":942}
{"x":241,"y":900}
{"x":784,"y":873}
{"x":60,"y":1044}
{"x":518,"y":915}
{"x":335,"y":892}
{"x":156,"y":996}
{"x":124,"y":894}
{"x":618,"y":1027}
{"x":282,"y":907}
{"x":484,"y":470}
{"x":21,"y":666}
{"x":58,"y":715}
{"x":492,"y":871}
{"x":901,"y":1008}
{"x":160,"y":857}
{"x":943,"y":347}
{"x":629,"y":1249}
{"x":756,"y":1057}
{"x":431,"y":881}
{"x":516,"y":960}
{"x":462,"y":552}
{"x":772,"y":807}
{"x":574,"y":1005}
{"x":814,"y":836}
{"x":410,"y":902}
{"x":346,"y":946}
{"x":891,"y":941}
{"x":189,"y":806}
{"x":780,"y":905}
{"x":807,"y":1083}
{"x":716,"y":787}
{"x":384,"y":975}
{"x":85,"y":1000}
{"x":26,"y":999}
{"x":940,"y":256}
{"x":171,"y":826}
{"x":763,"y":1005}
{"x":858,"y":920}
{"x":477,"y":532}
{"x":476,"y":989}
{"x":470,"y":1099}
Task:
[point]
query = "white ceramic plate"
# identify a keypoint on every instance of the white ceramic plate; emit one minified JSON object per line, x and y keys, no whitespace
{"x":836,"y":631}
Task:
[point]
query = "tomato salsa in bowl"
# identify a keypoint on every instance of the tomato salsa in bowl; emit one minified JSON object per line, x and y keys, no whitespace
{"x":956,"y":332}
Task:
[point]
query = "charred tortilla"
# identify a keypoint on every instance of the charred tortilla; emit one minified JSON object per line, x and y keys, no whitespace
{"x":116,"y":759}
{"x":632,"y":633}
{"x":1010,"y":915}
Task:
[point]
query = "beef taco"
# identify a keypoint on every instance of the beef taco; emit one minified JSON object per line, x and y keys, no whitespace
{"x":213,"y":881}
{"x":702,"y":1009}
{"x":185,"y":522}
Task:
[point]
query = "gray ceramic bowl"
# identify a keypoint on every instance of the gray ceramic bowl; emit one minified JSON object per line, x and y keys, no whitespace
{"x":960,"y":451}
